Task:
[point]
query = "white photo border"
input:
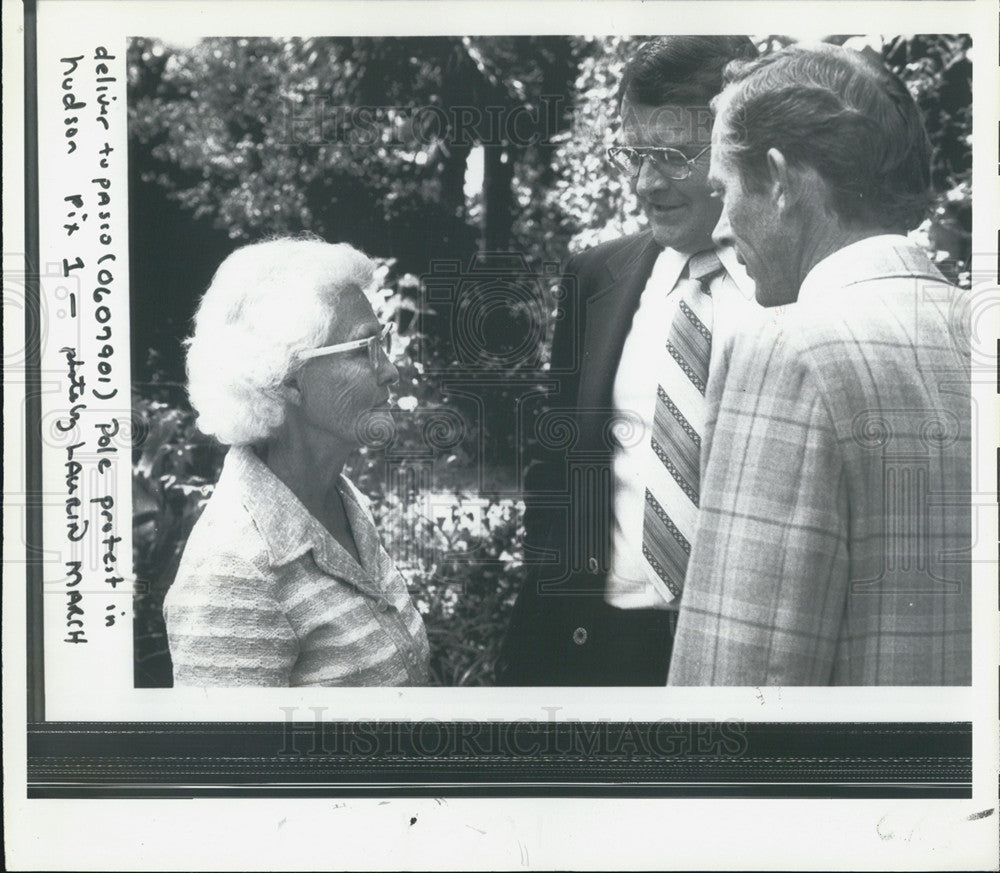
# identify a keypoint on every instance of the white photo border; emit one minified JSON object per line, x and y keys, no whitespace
{"x":115,"y":741}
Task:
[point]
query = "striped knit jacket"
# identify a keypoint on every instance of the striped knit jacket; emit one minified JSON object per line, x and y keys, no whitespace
{"x":266,"y":596}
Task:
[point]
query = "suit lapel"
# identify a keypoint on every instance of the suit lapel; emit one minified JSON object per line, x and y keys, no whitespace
{"x":608,"y":320}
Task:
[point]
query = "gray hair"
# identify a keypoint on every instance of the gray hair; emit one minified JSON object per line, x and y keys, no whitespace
{"x":266,"y":303}
{"x":840,"y":112}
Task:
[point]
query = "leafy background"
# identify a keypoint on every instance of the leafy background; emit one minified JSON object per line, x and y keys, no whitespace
{"x":232,"y":140}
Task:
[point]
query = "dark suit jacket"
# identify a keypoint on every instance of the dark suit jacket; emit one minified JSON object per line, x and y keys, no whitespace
{"x":562,"y":632}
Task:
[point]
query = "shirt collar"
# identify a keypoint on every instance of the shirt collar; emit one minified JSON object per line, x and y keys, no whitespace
{"x":289,"y":530}
{"x":884,"y":254}
{"x":670,"y":264}
{"x":737,"y":272}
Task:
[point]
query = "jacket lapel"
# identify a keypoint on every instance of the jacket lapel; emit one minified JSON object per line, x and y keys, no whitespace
{"x":608,"y":317}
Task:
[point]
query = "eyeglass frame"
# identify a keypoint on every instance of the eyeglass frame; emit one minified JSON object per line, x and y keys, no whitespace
{"x":373,"y":343}
{"x":644,"y":152}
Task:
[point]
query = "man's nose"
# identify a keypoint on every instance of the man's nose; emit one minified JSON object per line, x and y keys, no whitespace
{"x":723,"y":233}
{"x":649,"y":179}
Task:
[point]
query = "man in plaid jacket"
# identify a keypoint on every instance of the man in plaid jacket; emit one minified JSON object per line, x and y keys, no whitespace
{"x":834,"y":530}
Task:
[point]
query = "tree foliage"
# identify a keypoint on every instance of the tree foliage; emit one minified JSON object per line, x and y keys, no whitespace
{"x":938,"y":72}
{"x":435,"y":155}
{"x":588,"y":203}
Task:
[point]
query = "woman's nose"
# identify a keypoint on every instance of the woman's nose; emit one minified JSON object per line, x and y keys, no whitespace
{"x":387,"y":372}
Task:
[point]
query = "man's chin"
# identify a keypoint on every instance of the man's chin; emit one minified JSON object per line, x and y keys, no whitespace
{"x":667,"y":237}
{"x":769,"y":296}
{"x":683,"y":239}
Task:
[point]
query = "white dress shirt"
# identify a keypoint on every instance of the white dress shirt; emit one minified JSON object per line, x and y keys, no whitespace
{"x":634,"y":399}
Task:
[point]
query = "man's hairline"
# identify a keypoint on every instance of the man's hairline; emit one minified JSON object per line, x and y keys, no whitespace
{"x":705,"y":104}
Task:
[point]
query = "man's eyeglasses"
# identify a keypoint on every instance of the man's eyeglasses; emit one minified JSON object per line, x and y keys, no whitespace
{"x":668,"y":162}
{"x":377,"y":345}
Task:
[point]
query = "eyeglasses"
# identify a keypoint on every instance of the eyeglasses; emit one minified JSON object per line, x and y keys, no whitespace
{"x":667,"y":162}
{"x":377,"y":345}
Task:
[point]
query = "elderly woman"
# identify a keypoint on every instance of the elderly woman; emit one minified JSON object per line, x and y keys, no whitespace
{"x":284,"y":580}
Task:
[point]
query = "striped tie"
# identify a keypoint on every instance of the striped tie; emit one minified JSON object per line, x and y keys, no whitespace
{"x":671,"y":513}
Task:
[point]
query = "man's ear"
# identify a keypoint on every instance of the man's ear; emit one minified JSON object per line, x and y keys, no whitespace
{"x":782,"y":183}
{"x":794,"y":188}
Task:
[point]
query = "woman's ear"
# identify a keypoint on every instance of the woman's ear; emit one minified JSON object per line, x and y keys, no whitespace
{"x":291,"y":391}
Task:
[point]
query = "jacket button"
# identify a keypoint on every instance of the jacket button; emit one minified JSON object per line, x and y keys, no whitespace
{"x":382,"y":605}
{"x":580,"y":636}
{"x":592,"y":565}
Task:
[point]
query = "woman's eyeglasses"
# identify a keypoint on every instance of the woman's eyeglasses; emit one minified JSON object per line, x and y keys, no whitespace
{"x":378,"y":344}
{"x":668,"y":162}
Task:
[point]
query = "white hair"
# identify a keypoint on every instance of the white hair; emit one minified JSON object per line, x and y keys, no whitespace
{"x":267,"y":302}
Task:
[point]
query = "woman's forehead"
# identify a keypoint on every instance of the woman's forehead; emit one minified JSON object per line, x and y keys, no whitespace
{"x":352,"y":315}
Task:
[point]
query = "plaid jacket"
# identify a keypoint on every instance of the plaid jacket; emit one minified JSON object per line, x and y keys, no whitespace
{"x":834,"y":536}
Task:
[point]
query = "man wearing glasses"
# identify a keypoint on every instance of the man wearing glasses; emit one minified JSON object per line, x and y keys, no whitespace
{"x":637,"y":350}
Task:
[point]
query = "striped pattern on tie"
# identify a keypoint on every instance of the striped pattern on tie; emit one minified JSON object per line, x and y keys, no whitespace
{"x":671,"y":512}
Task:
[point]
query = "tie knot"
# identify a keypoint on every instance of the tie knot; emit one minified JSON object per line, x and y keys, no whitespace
{"x":703,"y":265}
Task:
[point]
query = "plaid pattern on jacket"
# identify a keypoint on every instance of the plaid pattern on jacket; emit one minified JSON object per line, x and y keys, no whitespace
{"x":834,"y":536}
